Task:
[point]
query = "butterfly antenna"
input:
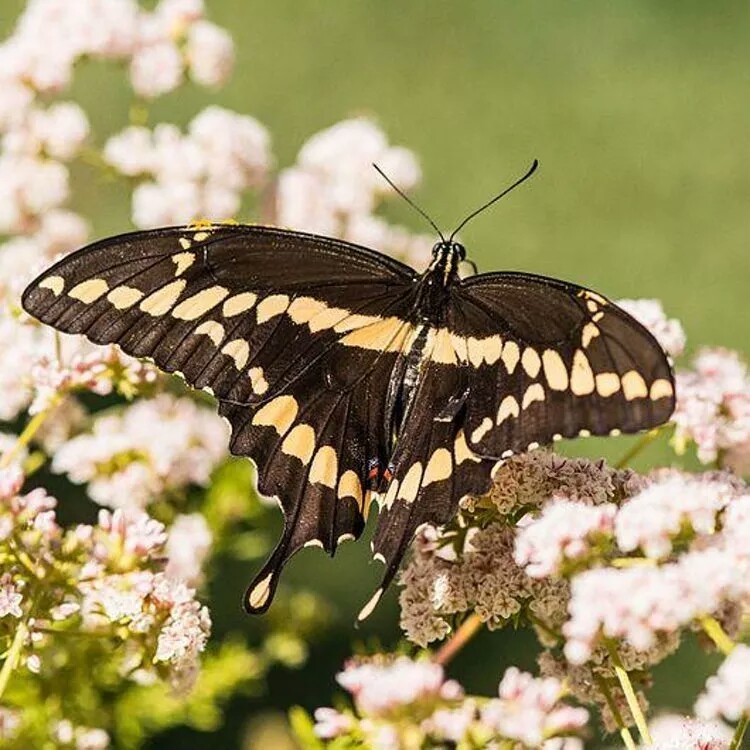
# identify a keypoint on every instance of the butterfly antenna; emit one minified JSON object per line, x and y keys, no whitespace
{"x":528,"y":174}
{"x":408,"y":200}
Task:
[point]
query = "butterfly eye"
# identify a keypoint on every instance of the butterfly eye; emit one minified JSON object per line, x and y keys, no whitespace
{"x":436,"y":249}
{"x":460,"y":249}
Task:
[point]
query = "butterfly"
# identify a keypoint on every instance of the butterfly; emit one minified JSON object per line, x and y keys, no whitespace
{"x":347,"y":376}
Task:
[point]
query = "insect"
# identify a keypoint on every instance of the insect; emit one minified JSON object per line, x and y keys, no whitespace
{"x":347,"y":376}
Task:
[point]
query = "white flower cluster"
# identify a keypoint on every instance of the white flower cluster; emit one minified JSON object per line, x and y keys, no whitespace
{"x":727,"y":693}
{"x":161,"y":46}
{"x":197,"y":175}
{"x":404,"y":703}
{"x":713,"y":409}
{"x":334,"y":190}
{"x":673,"y":732}
{"x":153,"y":447}
{"x":483,"y":574}
{"x":106,"y":576}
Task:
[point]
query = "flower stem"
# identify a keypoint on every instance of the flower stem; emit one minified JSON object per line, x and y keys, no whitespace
{"x":13,"y":653}
{"x":739,"y":733}
{"x":459,"y":639}
{"x":627,"y":738}
{"x":644,"y":441}
{"x":27,"y":435}
{"x":632,"y":562}
{"x":715,"y":632}
{"x":630,"y":696}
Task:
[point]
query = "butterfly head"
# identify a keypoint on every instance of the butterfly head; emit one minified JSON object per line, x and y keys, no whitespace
{"x":448,"y":249}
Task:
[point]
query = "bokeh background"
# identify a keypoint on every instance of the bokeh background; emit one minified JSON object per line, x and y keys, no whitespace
{"x":639,"y":115}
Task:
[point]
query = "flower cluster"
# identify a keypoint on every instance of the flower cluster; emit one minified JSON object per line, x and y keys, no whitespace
{"x":727,"y":693}
{"x":107,"y":578}
{"x":136,"y":455}
{"x":334,"y":190}
{"x":400,"y":702}
{"x":161,"y":46}
{"x":713,"y":409}
{"x":197,"y":175}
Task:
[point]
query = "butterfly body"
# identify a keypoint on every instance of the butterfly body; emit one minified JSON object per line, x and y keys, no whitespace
{"x":347,"y":376}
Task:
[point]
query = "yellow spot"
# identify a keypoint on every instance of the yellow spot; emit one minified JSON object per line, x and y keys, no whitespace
{"x":327,"y":318}
{"x":589,"y":333}
{"x":462,"y":451}
{"x":353,"y":322}
{"x":597,"y":317}
{"x":89,"y":291}
{"x":350,"y":486}
{"x":123,"y":297}
{"x":237,"y":304}
{"x":554,"y":370}
{"x":300,"y":442}
{"x":238,"y":350}
{"x":442,"y":350}
{"x":390,"y":495}
{"x":212,"y":329}
{"x":597,"y":297}
{"x":370,"y":606}
{"x":200,"y":303}
{"x":160,"y":302}
{"x":482,"y":430}
{"x":54,"y":283}
{"x":411,"y":483}
{"x":533,"y":393}
{"x":492,"y":347}
{"x":508,"y":408}
{"x":200,"y":236}
{"x":257,"y":381}
{"x":388,"y":334}
{"x":460,"y":347}
{"x":511,"y":355}
{"x":607,"y":384}
{"x":439,"y":467}
{"x":592,"y":306}
{"x":271,"y":306}
{"x":183,"y":261}
{"x":531,"y":362}
{"x":258,"y":595}
{"x":661,"y":389}
{"x":185,"y":243}
{"x":476,"y":355}
{"x":303,"y":309}
{"x":581,"y":376}
{"x":324,"y":469}
{"x":279,"y":414}
{"x":314,"y":543}
{"x":633,"y":385}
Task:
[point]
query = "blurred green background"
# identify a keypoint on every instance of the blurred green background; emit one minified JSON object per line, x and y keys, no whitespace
{"x":639,"y":114}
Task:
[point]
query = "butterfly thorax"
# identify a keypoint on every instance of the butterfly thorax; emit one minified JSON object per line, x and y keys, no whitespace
{"x":434,"y":286}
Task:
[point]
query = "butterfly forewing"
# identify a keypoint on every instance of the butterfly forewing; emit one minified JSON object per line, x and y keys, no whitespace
{"x":547,"y":359}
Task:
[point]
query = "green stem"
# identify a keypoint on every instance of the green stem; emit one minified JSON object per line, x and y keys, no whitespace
{"x":470,"y":627}
{"x":630,"y":696}
{"x":28,"y":433}
{"x":625,"y":735}
{"x":739,"y":733}
{"x":14,"y":652}
{"x":632,"y":562}
{"x":645,"y":441}
{"x":716,"y":633}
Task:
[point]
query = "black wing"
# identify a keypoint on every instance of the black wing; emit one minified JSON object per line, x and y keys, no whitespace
{"x":295,"y":334}
{"x":522,"y":360}
{"x":548,"y":359}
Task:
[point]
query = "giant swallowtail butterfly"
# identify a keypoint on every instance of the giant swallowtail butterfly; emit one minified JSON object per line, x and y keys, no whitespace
{"x":348,"y":376}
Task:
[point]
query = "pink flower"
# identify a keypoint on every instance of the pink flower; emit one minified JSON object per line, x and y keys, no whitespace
{"x":379,"y":689}
{"x":673,"y":732}
{"x":134,"y":531}
{"x":655,"y":517}
{"x":727,"y":693}
{"x":10,"y":598}
{"x":188,"y":546}
{"x":210,"y":54}
{"x":529,"y":709}
{"x":156,"y":69}
{"x":565,"y":531}
{"x":329,"y":723}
